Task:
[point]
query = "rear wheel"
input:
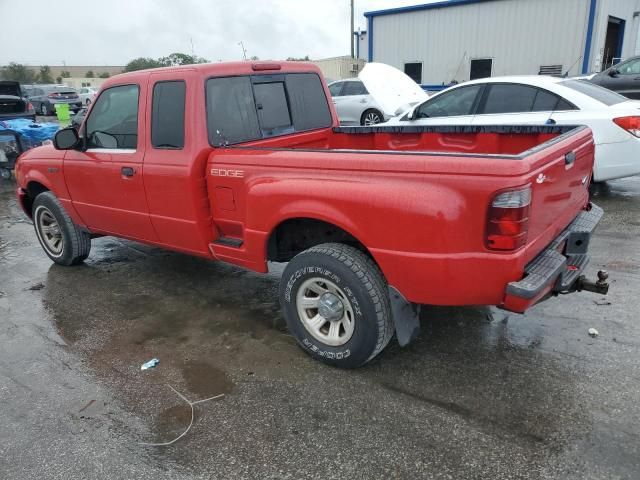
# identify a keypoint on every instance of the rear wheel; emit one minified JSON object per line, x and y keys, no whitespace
{"x":335,"y":301}
{"x":371,"y":117}
{"x":5,"y":173}
{"x":60,"y":238}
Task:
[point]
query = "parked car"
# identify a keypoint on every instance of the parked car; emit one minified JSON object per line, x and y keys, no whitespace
{"x":45,"y":97}
{"x":354,"y":104}
{"x":87,"y":94}
{"x":373,"y":221}
{"x":78,"y":118}
{"x":623,"y":78}
{"x":13,"y":103}
{"x":614,"y":119}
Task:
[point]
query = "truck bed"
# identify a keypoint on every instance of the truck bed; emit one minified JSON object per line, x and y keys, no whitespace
{"x":433,"y":184}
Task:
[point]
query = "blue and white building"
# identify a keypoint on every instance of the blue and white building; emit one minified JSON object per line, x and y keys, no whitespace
{"x":436,"y":43}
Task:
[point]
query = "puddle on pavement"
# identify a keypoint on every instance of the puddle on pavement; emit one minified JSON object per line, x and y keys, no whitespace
{"x":204,"y":380}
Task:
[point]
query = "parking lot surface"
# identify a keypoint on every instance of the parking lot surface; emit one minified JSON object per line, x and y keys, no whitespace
{"x":482,"y":394}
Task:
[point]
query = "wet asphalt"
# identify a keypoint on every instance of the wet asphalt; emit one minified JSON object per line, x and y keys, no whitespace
{"x":482,"y":394}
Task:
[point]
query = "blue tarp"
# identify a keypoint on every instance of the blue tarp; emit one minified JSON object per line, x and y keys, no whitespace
{"x":33,"y":134}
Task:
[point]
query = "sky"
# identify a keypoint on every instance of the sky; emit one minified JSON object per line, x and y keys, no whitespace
{"x":112,"y":32}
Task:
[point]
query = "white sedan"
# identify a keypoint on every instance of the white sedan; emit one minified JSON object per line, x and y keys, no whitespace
{"x":87,"y":94}
{"x":613,"y":119}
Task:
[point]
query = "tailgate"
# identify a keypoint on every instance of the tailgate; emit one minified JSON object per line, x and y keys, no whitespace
{"x":560,"y":175}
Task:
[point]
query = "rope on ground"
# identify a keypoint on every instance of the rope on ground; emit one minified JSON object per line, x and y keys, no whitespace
{"x":191,"y":404}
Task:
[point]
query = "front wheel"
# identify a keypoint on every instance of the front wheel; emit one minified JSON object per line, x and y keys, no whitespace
{"x":335,"y":302}
{"x":60,"y":238}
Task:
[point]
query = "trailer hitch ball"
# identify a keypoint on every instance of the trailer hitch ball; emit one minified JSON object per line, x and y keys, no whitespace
{"x":601,"y":286}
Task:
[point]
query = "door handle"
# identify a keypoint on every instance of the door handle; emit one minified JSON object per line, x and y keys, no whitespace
{"x":127,"y":171}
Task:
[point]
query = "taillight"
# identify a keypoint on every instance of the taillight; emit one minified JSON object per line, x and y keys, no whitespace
{"x":508,"y":219}
{"x":630,"y":124}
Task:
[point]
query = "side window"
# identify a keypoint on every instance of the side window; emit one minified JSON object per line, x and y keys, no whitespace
{"x":454,"y":103}
{"x":113,"y":122}
{"x":335,"y":88}
{"x":273,"y":108}
{"x":231,"y":111}
{"x":167,"y":114}
{"x":354,"y":88}
{"x":509,"y":99}
{"x":631,"y":67}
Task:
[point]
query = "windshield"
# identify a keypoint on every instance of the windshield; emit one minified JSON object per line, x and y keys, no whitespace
{"x":594,"y":91}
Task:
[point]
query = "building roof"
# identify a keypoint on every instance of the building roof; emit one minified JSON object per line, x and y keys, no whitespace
{"x":425,"y":6}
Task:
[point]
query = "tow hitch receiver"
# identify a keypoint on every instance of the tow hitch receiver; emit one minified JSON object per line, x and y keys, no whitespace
{"x":601,"y":286}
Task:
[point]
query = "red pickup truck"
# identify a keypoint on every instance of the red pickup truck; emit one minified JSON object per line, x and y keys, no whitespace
{"x":246,"y":163}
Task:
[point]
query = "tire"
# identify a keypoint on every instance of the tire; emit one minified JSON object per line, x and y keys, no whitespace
{"x":344,"y":273}
{"x":371,"y":117}
{"x":5,"y":173}
{"x":60,"y":238}
{"x":87,"y":102}
{"x":44,"y":111}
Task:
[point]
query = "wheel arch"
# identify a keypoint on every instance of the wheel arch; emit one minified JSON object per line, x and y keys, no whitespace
{"x":32,"y":190}
{"x":295,"y":234}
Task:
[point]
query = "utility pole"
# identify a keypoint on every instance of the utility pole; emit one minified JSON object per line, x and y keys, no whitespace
{"x":351,"y":39}
{"x":244,"y":51}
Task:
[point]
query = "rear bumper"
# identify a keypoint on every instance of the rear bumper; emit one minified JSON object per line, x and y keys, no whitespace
{"x":558,"y":268}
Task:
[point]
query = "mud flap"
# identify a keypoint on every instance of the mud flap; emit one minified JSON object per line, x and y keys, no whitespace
{"x":405,"y":317}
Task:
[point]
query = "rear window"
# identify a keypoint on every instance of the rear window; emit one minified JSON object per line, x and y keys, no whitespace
{"x":594,"y":91}
{"x":240,"y":109}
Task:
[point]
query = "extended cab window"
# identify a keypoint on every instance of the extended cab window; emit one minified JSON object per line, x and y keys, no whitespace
{"x":113,"y":122}
{"x":241,"y":109}
{"x":167,"y":114}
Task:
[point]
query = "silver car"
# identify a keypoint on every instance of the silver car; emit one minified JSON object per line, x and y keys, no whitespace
{"x":354,"y":104}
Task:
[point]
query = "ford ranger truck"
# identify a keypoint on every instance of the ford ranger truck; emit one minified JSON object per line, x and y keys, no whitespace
{"x":246,"y":163}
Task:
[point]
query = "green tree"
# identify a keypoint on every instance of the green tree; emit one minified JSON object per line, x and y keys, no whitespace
{"x":18,"y":73}
{"x":58,"y":79}
{"x":254,"y":58}
{"x":141,"y":63}
{"x":181,"y":59}
{"x":65,"y":74}
{"x":45,"y":75}
{"x":104,"y":75}
{"x":301,"y":59}
{"x":89,"y":74}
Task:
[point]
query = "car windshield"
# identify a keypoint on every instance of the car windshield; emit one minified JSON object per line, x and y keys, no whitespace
{"x":601,"y":94}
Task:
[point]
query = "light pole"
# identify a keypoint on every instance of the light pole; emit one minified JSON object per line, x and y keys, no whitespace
{"x":351,"y":32}
{"x":244,"y":51}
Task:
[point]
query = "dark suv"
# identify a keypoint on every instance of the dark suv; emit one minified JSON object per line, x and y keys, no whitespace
{"x":623,"y":78}
{"x":45,"y":97}
{"x":12,"y":102}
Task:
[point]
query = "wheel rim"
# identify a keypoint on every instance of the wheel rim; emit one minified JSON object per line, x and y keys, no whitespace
{"x":43,"y":109}
{"x":48,"y":231}
{"x":325,"y":311}
{"x":371,"y":118}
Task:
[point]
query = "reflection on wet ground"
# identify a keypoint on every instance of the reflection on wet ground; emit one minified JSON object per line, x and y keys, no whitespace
{"x":481,"y":394}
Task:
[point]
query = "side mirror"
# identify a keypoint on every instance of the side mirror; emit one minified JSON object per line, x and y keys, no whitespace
{"x":66,"y":139}
{"x":613,"y":72}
